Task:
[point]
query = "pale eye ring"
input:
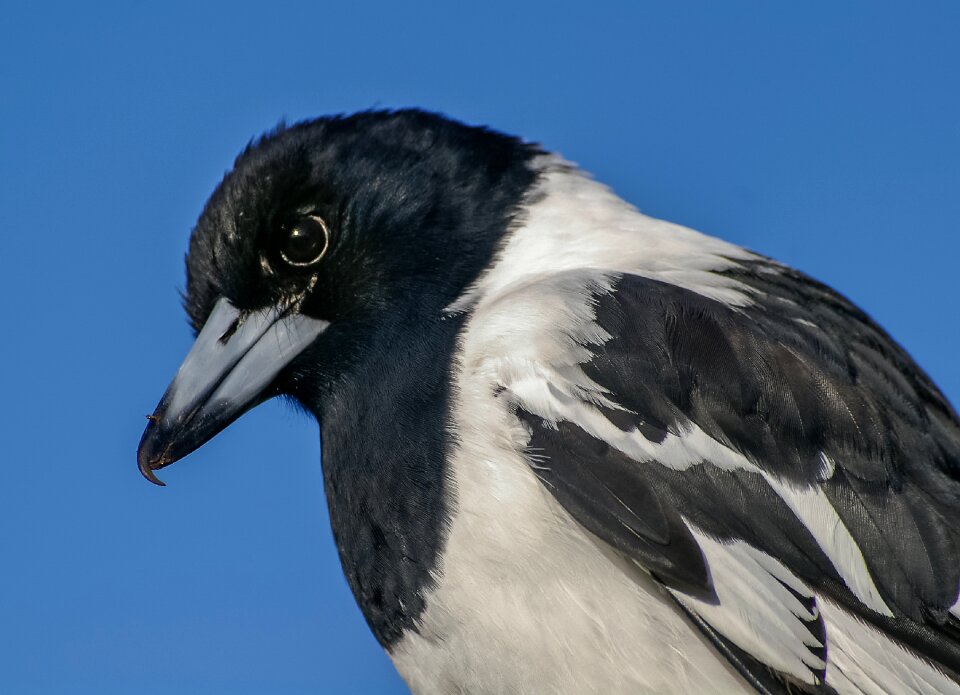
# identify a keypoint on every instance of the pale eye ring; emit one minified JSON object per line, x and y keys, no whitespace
{"x":305,"y":241}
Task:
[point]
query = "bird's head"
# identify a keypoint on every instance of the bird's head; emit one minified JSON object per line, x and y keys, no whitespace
{"x":324,"y":235}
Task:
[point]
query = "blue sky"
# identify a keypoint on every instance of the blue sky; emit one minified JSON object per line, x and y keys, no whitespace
{"x":824,"y":134}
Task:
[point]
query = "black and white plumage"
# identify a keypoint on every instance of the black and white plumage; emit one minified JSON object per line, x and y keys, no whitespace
{"x":569,"y":448}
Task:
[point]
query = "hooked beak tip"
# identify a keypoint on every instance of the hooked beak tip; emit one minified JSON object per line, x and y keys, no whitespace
{"x":147,"y":465}
{"x":151,"y":476}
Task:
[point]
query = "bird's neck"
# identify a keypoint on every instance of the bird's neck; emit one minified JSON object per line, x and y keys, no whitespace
{"x":385,"y":441}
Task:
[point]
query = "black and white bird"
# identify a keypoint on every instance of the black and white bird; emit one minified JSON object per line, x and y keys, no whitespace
{"x":569,"y":448}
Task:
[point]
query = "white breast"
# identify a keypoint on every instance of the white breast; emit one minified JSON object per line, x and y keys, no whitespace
{"x":528,"y":603}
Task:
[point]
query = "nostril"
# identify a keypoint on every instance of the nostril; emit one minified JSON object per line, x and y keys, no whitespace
{"x":231,"y":329}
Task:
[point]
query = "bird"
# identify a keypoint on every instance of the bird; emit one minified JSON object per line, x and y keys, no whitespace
{"x":567,"y":447}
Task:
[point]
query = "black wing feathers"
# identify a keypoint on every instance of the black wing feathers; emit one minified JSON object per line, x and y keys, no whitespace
{"x":601,"y":488}
{"x":782,"y":382}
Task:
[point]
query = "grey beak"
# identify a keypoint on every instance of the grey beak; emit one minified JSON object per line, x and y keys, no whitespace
{"x":226,"y":373}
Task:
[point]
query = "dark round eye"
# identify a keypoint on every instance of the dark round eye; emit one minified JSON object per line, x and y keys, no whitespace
{"x":305,"y":241}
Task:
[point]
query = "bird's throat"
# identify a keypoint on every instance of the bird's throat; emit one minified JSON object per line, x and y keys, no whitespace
{"x":385,"y":444}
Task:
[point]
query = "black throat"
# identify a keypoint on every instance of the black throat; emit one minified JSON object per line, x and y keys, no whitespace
{"x":386,"y":436}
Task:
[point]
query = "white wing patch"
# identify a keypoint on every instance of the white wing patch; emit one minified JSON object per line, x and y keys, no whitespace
{"x":861,"y":659}
{"x":815,"y":511}
{"x":757,"y":611}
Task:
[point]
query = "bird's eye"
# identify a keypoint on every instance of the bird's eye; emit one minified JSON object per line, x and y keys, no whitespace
{"x":305,"y":241}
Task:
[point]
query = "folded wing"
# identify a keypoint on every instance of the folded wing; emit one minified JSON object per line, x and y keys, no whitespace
{"x":781,"y":466}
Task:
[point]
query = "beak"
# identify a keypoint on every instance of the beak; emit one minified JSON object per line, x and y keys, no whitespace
{"x":226,"y":373}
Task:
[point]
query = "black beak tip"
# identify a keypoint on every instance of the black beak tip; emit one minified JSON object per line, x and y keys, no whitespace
{"x":147,"y":460}
{"x":150,"y":475}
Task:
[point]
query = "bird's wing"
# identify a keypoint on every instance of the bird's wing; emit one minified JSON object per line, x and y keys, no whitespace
{"x":782,"y":467}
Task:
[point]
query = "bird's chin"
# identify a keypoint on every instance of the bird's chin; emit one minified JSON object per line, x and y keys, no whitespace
{"x":229,"y":370}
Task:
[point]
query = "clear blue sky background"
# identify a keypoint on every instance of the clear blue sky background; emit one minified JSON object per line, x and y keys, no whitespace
{"x":826,"y":134}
